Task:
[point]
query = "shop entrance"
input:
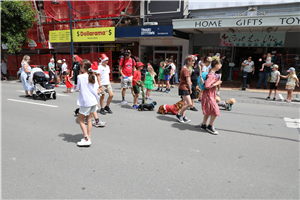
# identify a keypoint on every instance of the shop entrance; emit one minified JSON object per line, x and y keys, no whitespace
{"x":242,"y":53}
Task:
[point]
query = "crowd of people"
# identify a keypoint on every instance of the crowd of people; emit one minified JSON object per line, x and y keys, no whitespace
{"x":92,"y":81}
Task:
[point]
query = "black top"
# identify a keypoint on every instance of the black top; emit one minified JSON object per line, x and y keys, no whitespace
{"x":195,"y":75}
{"x":168,"y":69}
{"x":76,"y":66}
{"x":220,"y":70}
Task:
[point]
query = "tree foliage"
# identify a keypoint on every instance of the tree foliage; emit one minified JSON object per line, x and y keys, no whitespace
{"x":16,"y":18}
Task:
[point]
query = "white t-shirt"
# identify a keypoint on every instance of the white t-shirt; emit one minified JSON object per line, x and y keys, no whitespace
{"x":88,"y":92}
{"x":4,"y":68}
{"x":173,"y":68}
{"x":205,"y":68}
{"x":248,"y":68}
{"x":104,"y":74}
{"x":269,"y":60}
{"x":64,"y":67}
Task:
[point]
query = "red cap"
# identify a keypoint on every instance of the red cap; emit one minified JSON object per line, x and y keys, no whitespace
{"x":78,"y":58}
{"x":140,"y":64}
{"x":103,"y":57}
{"x":94,"y":66}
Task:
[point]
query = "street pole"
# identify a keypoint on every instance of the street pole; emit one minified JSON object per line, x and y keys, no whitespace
{"x":72,"y":50}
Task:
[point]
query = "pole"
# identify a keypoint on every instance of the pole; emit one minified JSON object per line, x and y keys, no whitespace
{"x":72,"y":51}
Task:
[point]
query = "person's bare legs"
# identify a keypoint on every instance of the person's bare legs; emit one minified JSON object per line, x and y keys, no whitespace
{"x":82,"y":125}
{"x":212,"y":119}
{"x":205,"y":118}
{"x":123,"y":92}
{"x":111,"y":95}
{"x":186,"y":104}
{"x":270,"y":92}
{"x":275,"y":93}
{"x":102,"y":100}
{"x":192,"y":100}
{"x":135,"y":99}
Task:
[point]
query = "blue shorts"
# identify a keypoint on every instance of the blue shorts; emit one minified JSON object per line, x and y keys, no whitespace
{"x":167,"y":77}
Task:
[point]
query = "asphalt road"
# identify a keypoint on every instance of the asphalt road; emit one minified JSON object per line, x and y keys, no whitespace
{"x":146,"y":155}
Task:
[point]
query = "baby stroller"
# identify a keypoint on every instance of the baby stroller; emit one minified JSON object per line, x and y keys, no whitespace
{"x":43,"y":88}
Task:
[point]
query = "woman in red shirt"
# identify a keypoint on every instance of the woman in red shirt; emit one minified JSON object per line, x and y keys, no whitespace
{"x":185,"y":88}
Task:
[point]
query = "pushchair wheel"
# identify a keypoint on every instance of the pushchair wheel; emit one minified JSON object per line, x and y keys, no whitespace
{"x":54,"y":95}
{"x":34,"y":96}
{"x":45,"y":97}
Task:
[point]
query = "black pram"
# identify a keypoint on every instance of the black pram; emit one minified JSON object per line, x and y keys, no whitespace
{"x":43,"y":87}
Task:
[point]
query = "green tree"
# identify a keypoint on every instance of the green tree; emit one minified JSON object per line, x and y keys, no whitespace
{"x":16,"y":18}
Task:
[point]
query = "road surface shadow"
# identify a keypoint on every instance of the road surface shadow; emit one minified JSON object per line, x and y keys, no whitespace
{"x":71,"y":138}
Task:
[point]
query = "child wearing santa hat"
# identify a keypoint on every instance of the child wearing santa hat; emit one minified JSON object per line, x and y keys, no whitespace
{"x":104,"y":71}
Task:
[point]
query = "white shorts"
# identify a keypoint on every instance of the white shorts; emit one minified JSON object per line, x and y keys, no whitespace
{"x":87,"y":110}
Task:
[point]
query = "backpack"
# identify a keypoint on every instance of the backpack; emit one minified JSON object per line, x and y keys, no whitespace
{"x":201,"y":83}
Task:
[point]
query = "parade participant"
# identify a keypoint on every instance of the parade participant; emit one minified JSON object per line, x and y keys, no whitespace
{"x":125,"y":68}
{"x":168,"y":71}
{"x":87,"y":99}
{"x":275,"y":77}
{"x":69,"y":85}
{"x":52,"y":71}
{"x":136,"y":82}
{"x":248,"y":70}
{"x":185,"y":89}
{"x":291,"y":83}
{"x":76,"y":70}
{"x":209,"y":104}
{"x":26,"y":69}
{"x":149,"y":81}
{"x":194,"y":76}
{"x":161,"y":76}
{"x":205,"y":68}
{"x":104,"y":72}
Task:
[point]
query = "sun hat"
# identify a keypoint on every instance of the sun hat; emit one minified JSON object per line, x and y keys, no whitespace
{"x":59,"y":61}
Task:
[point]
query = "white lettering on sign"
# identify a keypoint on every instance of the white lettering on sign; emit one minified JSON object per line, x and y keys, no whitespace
{"x":217,"y":23}
{"x":147,"y":31}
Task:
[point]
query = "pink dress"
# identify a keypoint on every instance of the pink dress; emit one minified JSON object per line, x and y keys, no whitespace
{"x":209,"y":103}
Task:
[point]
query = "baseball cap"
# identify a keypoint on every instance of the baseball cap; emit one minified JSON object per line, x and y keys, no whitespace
{"x":140,"y":64}
{"x":170,"y":60}
{"x":291,"y":69}
{"x":217,"y":54}
{"x":64,"y":60}
{"x":127,"y":52}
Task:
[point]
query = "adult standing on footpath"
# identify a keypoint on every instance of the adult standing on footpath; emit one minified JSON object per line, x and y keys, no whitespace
{"x":64,"y":69}
{"x":248,"y":70}
{"x":52,"y":71}
{"x":173,"y":73}
{"x":4,"y":70}
{"x":209,"y":103}
{"x":104,"y":71}
{"x":168,"y":72}
{"x":25,"y":71}
{"x":185,"y":89}
{"x":76,"y":69}
{"x":194,"y":76}
{"x":125,"y":68}
{"x":263,"y":76}
{"x":59,"y":69}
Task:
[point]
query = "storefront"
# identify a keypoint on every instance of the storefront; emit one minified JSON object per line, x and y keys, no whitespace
{"x":156,"y":43}
{"x":239,"y":37}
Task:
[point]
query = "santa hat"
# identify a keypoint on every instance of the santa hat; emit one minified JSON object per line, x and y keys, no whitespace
{"x":148,"y":64}
{"x":78,"y":58}
{"x":103,"y":57}
{"x":140,"y":64}
{"x":194,"y":57}
{"x":94,"y":66}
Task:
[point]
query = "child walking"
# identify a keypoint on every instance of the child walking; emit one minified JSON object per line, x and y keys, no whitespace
{"x":136,"y":83}
{"x":291,"y":83}
{"x":209,"y":104}
{"x":161,"y":76}
{"x":268,"y":61}
{"x":275,"y":77}
{"x":68,"y":82}
{"x":149,"y":81}
{"x":87,"y":99}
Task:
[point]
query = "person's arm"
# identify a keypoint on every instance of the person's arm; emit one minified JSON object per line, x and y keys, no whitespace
{"x":297,"y":81}
{"x":154,"y":81}
{"x":284,"y":76}
{"x":210,"y":81}
{"x":278,"y":78}
{"x":189,"y":83}
{"x":26,"y":68}
{"x":253,"y":69}
{"x":98,"y":79}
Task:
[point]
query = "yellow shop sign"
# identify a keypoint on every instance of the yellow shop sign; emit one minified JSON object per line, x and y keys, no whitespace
{"x":83,"y":35}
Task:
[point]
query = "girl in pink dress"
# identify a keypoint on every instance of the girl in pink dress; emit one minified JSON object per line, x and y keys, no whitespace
{"x":68,"y":82}
{"x":209,"y":104}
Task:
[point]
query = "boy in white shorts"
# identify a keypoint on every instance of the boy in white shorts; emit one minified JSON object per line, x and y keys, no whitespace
{"x":104,"y":70}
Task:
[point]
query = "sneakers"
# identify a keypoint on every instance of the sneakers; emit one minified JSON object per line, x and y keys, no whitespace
{"x":193,"y":109}
{"x":123,"y":102}
{"x":157,"y":89}
{"x":185,"y":119}
{"x":150,"y":99}
{"x":56,"y":86}
{"x":108,"y":109}
{"x":268,"y":98}
{"x":211,"y":130}
{"x":172,"y":86}
{"x":274,"y":99}
{"x":161,"y":90}
{"x":102,"y":112}
{"x":135,"y":106}
{"x":203,"y":126}
{"x":179,"y":118}
{"x":99,"y":124}
{"x":84,"y":142}
{"x":167,"y":91}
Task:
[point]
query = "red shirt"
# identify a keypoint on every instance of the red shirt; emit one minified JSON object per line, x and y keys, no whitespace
{"x":127,"y":68}
{"x":136,"y":77}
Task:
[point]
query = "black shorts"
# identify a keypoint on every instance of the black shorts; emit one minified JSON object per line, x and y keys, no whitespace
{"x":64,"y":73}
{"x":183,"y":92}
{"x":194,"y":92}
{"x":273,"y":87}
{"x":135,"y":90}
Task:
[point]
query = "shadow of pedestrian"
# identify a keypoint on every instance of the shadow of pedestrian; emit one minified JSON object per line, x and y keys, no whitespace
{"x":71,"y":138}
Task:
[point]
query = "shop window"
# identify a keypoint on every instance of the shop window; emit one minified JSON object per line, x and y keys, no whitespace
{"x":164,"y":48}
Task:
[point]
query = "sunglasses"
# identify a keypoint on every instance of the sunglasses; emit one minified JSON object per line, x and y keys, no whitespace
{"x":249,"y":58}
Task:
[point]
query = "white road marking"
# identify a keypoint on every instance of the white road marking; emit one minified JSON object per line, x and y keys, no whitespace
{"x":56,"y":93}
{"x":40,"y":104}
{"x":292,"y":122}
